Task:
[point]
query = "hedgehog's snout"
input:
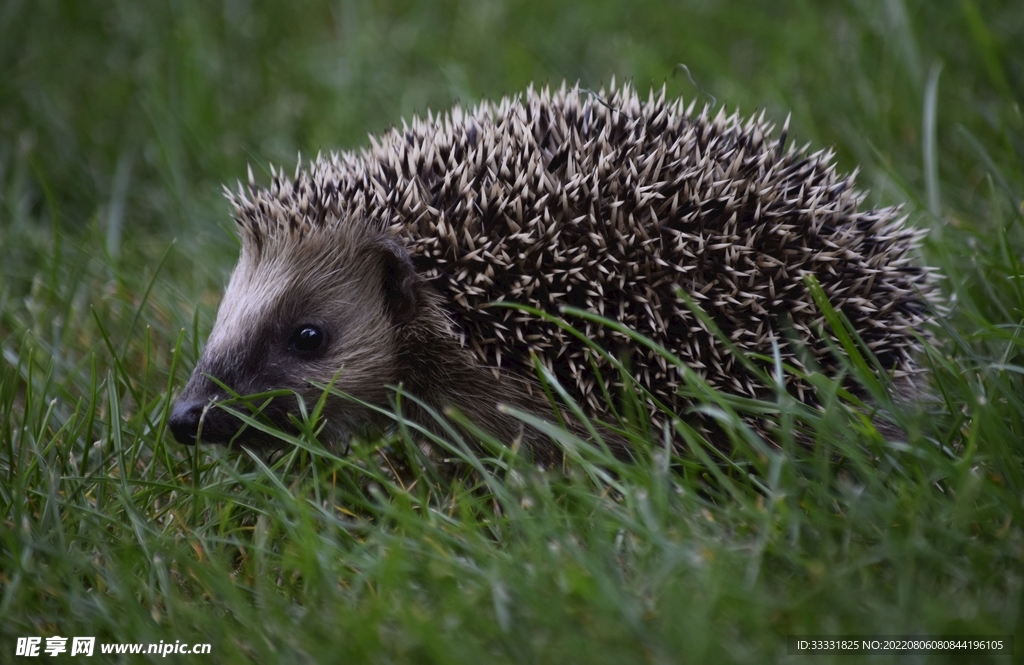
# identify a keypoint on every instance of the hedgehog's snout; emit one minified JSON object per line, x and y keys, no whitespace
{"x":184,"y":421}
{"x":199,"y":420}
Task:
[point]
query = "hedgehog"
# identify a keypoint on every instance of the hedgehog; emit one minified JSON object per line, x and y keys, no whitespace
{"x":400,"y":264}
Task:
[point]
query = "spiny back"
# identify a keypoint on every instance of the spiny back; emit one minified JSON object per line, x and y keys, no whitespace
{"x":605,"y":202}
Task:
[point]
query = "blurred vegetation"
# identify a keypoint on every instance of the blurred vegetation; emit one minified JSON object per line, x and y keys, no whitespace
{"x":119,"y":121}
{"x":182,"y":94}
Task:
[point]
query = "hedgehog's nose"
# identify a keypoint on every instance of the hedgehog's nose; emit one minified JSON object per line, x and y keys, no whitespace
{"x":184,"y":421}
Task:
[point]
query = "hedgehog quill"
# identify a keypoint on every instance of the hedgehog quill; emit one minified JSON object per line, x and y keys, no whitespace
{"x":383,"y":267}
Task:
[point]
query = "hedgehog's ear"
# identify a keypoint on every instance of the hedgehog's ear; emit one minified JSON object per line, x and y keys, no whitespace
{"x":399,"y":277}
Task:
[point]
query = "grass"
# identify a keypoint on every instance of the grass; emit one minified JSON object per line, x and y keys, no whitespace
{"x":119,"y":121}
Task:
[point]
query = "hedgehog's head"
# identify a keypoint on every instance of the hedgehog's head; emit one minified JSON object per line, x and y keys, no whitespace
{"x":310,"y":302}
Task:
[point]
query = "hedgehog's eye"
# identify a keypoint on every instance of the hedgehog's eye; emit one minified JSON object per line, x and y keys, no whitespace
{"x":307,"y":338}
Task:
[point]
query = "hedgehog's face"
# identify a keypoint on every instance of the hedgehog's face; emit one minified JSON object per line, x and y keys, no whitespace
{"x":307,"y":313}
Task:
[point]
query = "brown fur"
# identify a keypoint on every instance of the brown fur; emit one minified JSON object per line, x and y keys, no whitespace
{"x":345,"y":288}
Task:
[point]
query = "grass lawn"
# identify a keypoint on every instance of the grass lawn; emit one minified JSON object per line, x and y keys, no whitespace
{"x":119,"y":121}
